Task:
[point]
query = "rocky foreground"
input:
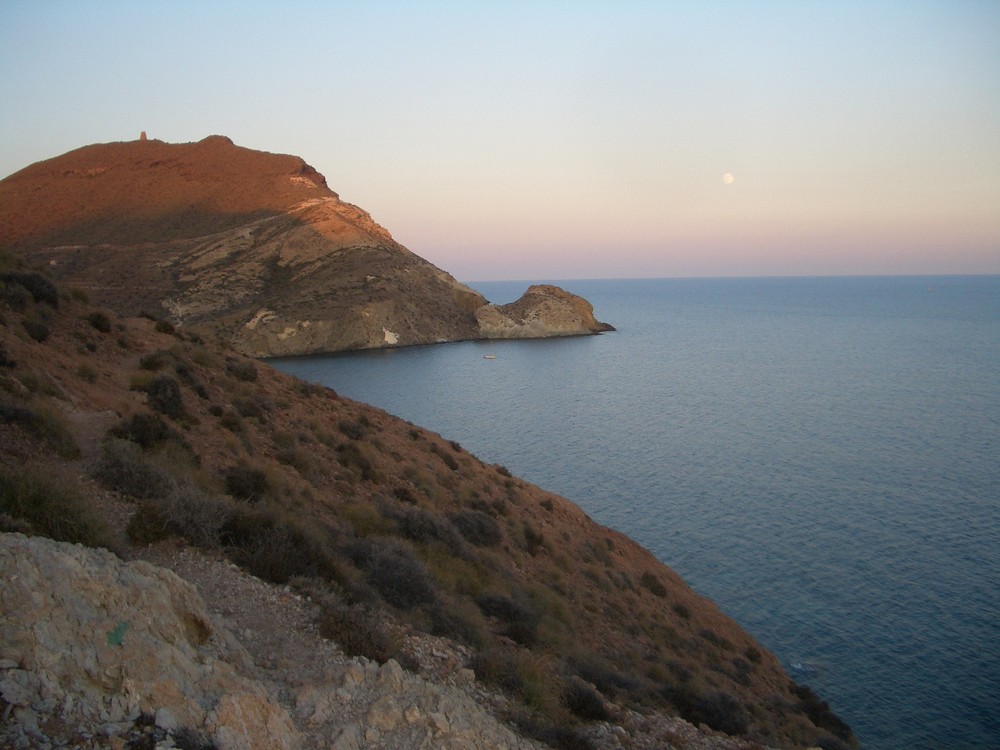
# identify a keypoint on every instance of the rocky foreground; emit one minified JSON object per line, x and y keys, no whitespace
{"x":100,"y":653}
{"x":250,"y":247}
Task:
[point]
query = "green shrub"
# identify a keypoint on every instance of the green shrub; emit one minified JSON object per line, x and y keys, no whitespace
{"x":51,"y":505}
{"x":164,"y":326}
{"x":595,"y":669}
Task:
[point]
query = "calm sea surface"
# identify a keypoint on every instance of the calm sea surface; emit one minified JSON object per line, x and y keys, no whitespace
{"x":821,"y":457}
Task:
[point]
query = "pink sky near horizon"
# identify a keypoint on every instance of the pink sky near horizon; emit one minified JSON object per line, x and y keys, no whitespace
{"x":564,"y":140}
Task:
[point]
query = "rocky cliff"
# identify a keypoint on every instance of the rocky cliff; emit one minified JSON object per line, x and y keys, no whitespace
{"x":252,"y":247}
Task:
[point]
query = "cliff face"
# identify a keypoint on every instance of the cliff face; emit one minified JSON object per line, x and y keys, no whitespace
{"x":250,"y":246}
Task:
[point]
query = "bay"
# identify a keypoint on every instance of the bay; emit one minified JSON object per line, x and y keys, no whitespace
{"x":819,"y":456}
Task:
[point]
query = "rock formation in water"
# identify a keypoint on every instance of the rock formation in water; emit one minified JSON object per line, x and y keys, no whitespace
{"x":252,"y":247}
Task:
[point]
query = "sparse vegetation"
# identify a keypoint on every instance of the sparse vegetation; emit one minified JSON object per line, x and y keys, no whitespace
{"x":99,"y":321}
{"x":44,"y":423}
{"x":399,"y":529}
{"x":358,"y":630}
{"x":50,"y":504}
{"x":123,"y":468}
{"x":36,"y":329}
{"x":245,"y":483}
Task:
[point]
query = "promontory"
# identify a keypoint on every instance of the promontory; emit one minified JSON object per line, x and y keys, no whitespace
{"x":251,"y":247}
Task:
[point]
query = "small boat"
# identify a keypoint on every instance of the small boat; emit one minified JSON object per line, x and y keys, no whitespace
{"x":489,"y":356}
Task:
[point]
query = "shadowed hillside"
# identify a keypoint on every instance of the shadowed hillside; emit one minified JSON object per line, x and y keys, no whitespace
{"x":133,"y":434}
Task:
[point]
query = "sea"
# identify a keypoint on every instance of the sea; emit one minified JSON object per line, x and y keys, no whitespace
{"x":819,"y":456}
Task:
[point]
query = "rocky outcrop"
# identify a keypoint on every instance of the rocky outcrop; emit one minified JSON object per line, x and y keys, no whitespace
{"x":544,"y":310}
{"x":96,"y":648}
{"x":89,"y":641}
{"x":248,"y":246}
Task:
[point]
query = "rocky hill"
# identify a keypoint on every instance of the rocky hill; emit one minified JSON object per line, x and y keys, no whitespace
{"x":251,"y":247}
{"x":329,"y":543}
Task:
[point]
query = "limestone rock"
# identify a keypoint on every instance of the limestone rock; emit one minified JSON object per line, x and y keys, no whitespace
{"x":542,"y":311}
{"x":98,"y":642}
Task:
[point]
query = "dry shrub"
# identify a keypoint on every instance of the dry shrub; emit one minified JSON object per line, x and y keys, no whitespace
{"x":520,"y":620}
{"x":477,"y":527}
{"x":51,"y":505}
{"x":99,"y":321}
{"x":186,"y":512}
{"x":394,"y":571}
{"x":241,"y":369}
{"x":653,"y":584}
{"x":36,"y":329}
{"x":361,"y":459}
{"x":583,"y":700}
{"x":425,"y":527}
{"x":123,"y":468}
{"x":278,"y":548}
{"x":358,"y":630}
{"x":164,"y":394}
{"x":245,"y":483}
{"x":44,"y":423}
{"x":39,"y":287}
{"x":524,"y":675}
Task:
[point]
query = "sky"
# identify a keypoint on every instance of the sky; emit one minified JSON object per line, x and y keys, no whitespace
{"x":562,"y":140}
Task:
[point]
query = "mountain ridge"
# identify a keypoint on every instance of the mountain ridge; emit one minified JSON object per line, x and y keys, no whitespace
{"x":249,"y":246}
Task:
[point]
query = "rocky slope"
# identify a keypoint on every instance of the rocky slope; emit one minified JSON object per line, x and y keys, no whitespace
{"x":130,"y":434}
{"x":251,"y":247}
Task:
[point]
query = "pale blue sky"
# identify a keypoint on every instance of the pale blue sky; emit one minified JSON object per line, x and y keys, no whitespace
{"x":563,"y":139}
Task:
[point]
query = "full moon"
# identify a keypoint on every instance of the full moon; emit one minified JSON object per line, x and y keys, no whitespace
{"x":728,"y":178}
